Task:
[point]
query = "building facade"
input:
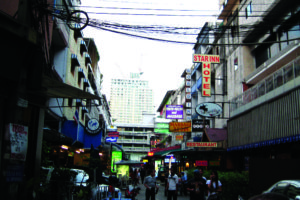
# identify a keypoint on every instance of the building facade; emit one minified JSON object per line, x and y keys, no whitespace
{"x":129,"y":98}
{"x":135,"y":138}
{"x":261,"y":48}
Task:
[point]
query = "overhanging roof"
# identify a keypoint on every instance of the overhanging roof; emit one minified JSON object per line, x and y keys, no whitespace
{"x":216,"y":134}
{"x":57,"y":89}
{"x":163,"y":153}
{"x":129,"y":162}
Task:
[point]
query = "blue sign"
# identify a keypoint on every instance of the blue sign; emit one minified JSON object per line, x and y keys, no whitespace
{"x":174,"y":112}
{"x":111,"y":139}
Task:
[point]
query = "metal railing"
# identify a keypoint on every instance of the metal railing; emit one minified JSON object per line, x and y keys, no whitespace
{"x":289,"y":72}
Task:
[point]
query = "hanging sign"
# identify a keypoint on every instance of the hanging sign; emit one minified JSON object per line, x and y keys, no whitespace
{"x":208,"y":109}
{"x":206,"y":61}
{"x":93,"y":127}
{"x":201,"y":144}
{"x":18,"y":136}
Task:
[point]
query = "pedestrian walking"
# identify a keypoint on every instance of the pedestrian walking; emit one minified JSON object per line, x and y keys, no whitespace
{"x":143,"y":173}
{"x":151,"y":186}
{"x":172,"y":185}
{"x":214,"y":186}
{"x":197,"y":187}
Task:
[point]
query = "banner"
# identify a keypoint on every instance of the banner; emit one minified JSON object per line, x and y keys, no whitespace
{"x":180,"y":126}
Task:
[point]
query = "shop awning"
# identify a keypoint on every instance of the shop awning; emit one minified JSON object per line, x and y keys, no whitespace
{"x":129,"y":162}
{"x":56,"y":89}
{"x":216,"y":134}
{"x":163,"y":153}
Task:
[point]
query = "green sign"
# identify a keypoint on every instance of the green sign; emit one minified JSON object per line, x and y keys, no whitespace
{"x":115,"y":157}
{"x":161,"y":130}
{"x":162,"y":125}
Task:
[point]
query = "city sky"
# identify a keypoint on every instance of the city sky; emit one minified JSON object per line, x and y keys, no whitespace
{"x":161,"y":62}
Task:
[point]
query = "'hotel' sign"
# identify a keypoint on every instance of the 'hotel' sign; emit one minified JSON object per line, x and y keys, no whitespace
{"x":206,"y":61}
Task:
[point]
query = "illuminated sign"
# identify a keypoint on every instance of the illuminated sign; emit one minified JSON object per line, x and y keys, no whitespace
{"x":179,"y":137}
{"x":214,"y":163}
{"x":150,"y":153}
{"x":167,"y":160}
{"x":145,"y":160}
{"x":162,"y":125}
{"x":201,"y":162}
{"x":174,"y":112}
{"x":113,"y":134}
{"x":111,"y":139}
{"x":161,"y":130}
{"x":201,"y":144}
{"x":206,"y":79}
{"x":180,"y":126}
{"x":115,"y":157}
{"x":206,"y":61}
{"x":198,"y":125}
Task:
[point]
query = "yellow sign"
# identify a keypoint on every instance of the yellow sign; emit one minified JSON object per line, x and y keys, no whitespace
{"x":180,"y":126}
{"x":179,"y":137}
{"x":201,"y":144}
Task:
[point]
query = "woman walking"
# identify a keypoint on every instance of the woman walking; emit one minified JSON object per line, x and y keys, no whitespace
{"x":214,"y":186}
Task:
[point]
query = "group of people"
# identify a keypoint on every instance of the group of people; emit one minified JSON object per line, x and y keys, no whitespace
{"x":198,"y":186}
{"x":136,"y":175}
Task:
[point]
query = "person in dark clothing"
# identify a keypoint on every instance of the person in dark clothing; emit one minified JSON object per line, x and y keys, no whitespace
{"x":197,"y":187}
{"x":143,"y":174}
{"x":151,"y":186}
{"x":166,"y":181}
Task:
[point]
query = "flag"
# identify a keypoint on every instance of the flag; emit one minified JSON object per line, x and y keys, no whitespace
{"x":76,"y":116}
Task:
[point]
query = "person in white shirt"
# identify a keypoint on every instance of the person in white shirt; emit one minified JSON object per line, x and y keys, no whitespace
{"x":214,"y":186}
{"x":172,"y":185}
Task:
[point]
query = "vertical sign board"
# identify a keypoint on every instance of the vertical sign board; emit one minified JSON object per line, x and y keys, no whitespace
{"x":206,"y":61}
{"x":115,"y":157}
{"x":188,"y":95}
{"x":18,"y":137}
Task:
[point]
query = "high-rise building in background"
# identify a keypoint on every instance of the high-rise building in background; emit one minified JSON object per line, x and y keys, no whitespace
{"x":129,"y":98}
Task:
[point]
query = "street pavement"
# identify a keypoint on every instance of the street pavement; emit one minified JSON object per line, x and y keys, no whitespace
{"x":160,"y":195}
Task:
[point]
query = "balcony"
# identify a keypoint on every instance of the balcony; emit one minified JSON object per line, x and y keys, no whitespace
{"x":281,"y":81}
{"x":137,"y":149}
{"x":133,"y":141}
{"x":134,"y":132}
{"x":61,"y":33}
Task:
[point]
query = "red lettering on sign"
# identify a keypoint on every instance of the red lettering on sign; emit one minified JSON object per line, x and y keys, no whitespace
{"x":206,"y":86}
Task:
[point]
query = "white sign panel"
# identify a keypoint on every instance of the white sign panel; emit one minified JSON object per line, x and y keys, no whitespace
{"x":18,"y":136}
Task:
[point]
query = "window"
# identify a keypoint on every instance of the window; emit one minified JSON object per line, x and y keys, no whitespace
{"x":236,"y":64}
{"x":280,"y":188}
{"x":294,"y":32}
{"x":70,"y":102}
{"x":269,"y":84}
{"x":248,"y":10}
{"x":278,"y":79}
{"x":293,"y":191}
{"x":297,"y":68}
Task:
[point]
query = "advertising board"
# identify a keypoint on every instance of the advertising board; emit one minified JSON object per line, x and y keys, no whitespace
{"x":174,"y":112}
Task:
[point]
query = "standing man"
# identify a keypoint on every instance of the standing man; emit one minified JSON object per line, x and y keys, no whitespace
{"x":197,"y":187}
{"x":150,"y":184}
{"x":172,"y":185}
{"x":143,"y":173}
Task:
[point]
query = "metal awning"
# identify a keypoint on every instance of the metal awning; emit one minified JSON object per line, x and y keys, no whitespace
{"x":129,"y":162}
{"x":163,"y":153}
{"x":56,"y":89}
